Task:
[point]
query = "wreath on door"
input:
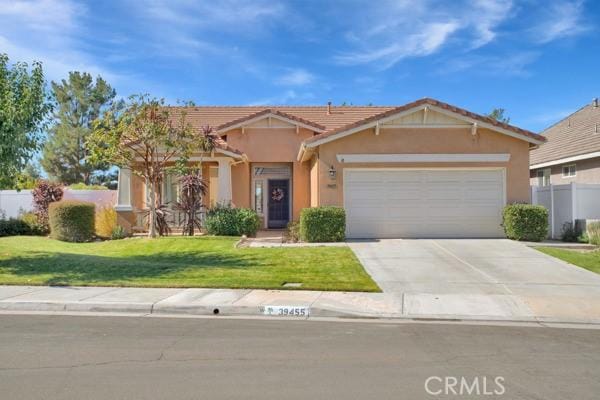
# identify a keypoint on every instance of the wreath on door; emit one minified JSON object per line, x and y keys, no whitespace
{"x":277,"y":194}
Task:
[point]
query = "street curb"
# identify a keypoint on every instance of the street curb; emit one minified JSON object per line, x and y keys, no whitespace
{"x":258,"y":311}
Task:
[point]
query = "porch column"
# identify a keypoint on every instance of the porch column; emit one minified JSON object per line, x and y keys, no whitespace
{"x":124,"y":190}
{"x":224,"y":193}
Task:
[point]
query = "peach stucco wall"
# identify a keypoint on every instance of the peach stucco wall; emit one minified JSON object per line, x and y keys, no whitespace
{"x":311,"y":183}
{"x":314,"y":181}
{"x":270,"y":145}
{"x":406,"y":140}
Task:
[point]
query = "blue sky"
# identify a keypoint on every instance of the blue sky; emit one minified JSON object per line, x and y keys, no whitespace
{"x":539,"y":60}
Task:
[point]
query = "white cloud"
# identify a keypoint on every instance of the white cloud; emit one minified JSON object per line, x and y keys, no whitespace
{"x":223,"y":15}
{"x":41,"y":15}
{"x":416,"y":29}
{"x":52,"y":31}
{"x":295,"y":77}
{"x":485,"y":18}
{"x":424,"y":42}
{"x":559,"y":20}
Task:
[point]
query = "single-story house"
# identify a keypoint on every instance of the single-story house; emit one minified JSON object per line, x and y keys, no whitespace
{"x":572,"y":151}
{"x":423,"y":169}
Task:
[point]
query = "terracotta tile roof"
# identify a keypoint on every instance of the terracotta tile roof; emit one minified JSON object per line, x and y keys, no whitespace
{"x":220,"y":117}
{"x":340,"y":118}
{"x":577,"y":134}
{"x":222,"y":144}
{"x":418,"y":103}
{"x":274,"y":112}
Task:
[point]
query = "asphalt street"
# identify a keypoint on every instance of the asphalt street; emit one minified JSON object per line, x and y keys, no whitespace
{"x":101,"y":357}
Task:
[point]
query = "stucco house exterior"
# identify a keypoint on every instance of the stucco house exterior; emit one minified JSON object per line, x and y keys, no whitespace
{"x":572,"y":151}
{"x":423,"y":169}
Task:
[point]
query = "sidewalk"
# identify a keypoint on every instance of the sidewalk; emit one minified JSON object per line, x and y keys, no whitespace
{"x":195,"y":301}
{"x":239,"y":302}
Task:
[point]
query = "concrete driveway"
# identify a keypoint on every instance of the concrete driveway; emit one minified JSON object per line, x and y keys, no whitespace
{"x":491,"y":278}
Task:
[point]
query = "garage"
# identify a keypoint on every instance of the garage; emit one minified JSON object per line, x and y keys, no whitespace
{"x":424,"y":203}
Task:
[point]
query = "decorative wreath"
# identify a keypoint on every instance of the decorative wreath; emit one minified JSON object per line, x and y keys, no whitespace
{"x":277,"y":194}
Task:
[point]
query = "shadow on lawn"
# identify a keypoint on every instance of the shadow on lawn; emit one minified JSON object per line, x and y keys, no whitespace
{"x":66,"y":268}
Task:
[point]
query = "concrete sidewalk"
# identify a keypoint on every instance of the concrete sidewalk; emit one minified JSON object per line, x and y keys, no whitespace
{"x":194,"y":301}
{"x":144,"y":301}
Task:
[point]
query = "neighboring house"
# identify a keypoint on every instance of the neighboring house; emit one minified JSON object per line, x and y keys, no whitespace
{"x":424,"y":169}
{"x":572,"y":151}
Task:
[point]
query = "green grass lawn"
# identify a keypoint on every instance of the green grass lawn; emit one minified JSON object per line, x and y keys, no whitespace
{"x":589,"y":260}
{"x":178,"y":262}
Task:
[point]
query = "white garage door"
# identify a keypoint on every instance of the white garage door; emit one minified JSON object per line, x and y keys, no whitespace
{"x":384,"y":203}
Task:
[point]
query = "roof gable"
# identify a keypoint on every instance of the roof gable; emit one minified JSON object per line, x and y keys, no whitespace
{"x":268,"y":114}
{"x":426,"y":113}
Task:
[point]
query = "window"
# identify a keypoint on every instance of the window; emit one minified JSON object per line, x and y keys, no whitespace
{"x":170,"y":189}
{"x":569,"y":171}
{"x":258,"y":196}
{"x":543,"y":176}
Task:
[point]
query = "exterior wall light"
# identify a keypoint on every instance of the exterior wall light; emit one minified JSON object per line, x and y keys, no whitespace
{"x":332,"y":172}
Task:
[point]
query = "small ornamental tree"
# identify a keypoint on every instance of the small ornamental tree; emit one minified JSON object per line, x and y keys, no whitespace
{"x":45,"y":193}
{"x":147,"y":137}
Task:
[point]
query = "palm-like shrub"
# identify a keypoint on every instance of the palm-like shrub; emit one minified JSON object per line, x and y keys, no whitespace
{"x":193,"y":189}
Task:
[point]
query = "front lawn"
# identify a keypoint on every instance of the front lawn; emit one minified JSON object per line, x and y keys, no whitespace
{"x":589,"y":260}
{"x":178,"y":262}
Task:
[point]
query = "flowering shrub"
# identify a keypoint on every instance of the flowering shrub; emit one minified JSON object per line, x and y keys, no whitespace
{"x":45,"y":193}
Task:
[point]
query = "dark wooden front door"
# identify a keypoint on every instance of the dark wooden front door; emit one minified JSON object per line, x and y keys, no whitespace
{"x":279,"y":203}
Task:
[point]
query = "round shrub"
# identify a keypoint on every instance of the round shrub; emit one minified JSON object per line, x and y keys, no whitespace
{"x":72,"y":221}
{"x":248,"y":221}
{"x":228,"y":221}
{"x":525,"y":222}
{"x":323,"y":224}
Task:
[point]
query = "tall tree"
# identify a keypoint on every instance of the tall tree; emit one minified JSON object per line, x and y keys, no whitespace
{"x":498,"y":114}
{"x":149,"y":138}
{"x":24,"y":106}
{"x":80,"y":101}
{"x":29,"y":177}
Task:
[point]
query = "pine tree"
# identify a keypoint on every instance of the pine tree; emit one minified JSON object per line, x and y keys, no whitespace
{"x":79,"y":102}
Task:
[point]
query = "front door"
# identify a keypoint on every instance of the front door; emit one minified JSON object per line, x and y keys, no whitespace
{"x":279,"y":203}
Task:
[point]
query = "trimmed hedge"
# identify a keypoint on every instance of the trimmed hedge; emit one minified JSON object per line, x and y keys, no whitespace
{"x":525,"y":222}
{"x":323,"y":224}
{"x":228,"y":221}
{"x":14,"y":227}
{"x":26,"y":224}
{"x":72,"y":221}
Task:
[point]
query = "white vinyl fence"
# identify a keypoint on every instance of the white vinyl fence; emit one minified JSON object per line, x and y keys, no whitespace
{"x":13,"y":203}
{"x":567,"y":203}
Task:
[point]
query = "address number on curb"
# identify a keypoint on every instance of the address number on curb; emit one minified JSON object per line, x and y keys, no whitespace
{"x":286,"y":311}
